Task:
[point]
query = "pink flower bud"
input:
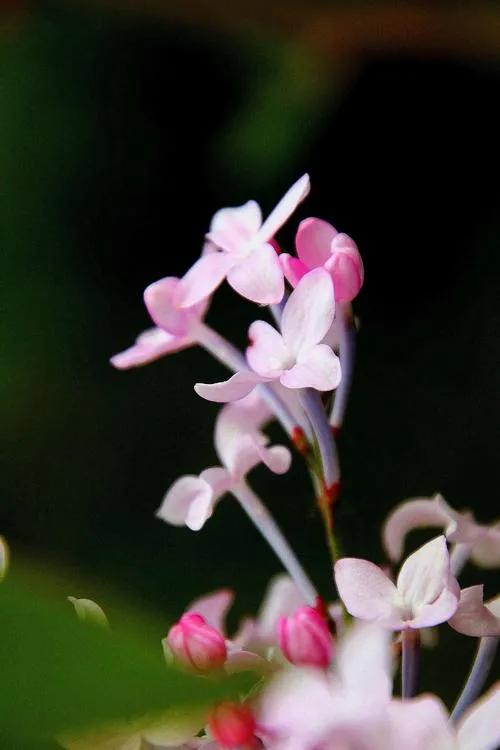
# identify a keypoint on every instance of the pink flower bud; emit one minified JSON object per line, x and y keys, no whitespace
{"x":345,"y":267}
{"x":305,"y":639}
{"x":232,"y":725}
{"x":196,"y":644}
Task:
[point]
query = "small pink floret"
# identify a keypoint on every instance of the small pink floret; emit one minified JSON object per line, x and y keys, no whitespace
{"x":305,"y":639}
{"x":196,"y":644}
{"x":232,"y":725}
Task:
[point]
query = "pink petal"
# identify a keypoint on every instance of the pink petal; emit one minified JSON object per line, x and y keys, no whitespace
{"x":486,"y":550}
{"x":420,"y":724}
{"x":425,"y":574}
{"x":479,"y":729}
{"x":243,"y":417}
{"x":317,"y":368}
{"x":218,"y":478}
{"x":473,"y":617}
{"x":204,"y":277}
{"x":409,"y":515}
{"x":293,"y":268}
{"x":259,"y":276}
{"x":309,"y":311}
{"x":150,"y":346}
{"x":238,"y":386}
{"x":366,"y":591}
{"x":214,"y":608}
{"x":313,"y":241}
{"x":267,"y":353}
{"x":438,"y":611}
{"x":285,"y":208}
{"x":231,"y":228}
{"x":282,"y":598}
{"x":364,"y":662}
{"x":277,"y":458}
{"x":162,"y":301}
{"x":346,"y":268}
{"x":176,"y":505}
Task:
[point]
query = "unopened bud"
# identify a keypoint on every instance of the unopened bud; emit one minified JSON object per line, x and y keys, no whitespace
{"x":305,"y":639}
{"x":232,"y":725}
{"x":196,"y":644}
{"x":345,"y":267}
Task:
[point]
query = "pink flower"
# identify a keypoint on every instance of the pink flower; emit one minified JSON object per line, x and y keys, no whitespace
{"x":426,"y":593}
{"x":176,"y":325}
{"x":460,"y":528}
{"x":305,"y":639}
{"x":232,"y":725}
{"x":296,"y":357}
{"x":240,"y":446}
{"x":320,"y":245}
{"x":474,"y":617}
{"x":196,"y":644}
{"x":243,"y":253}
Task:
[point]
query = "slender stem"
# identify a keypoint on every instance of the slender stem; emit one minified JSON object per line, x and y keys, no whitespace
{"x":234,"y":360}
{"x":347,"y":354}
{"x":460,"y":553}
{"x":480,"y":669}
{"x":410,"y":662}
{"x":265,"y":523}
{"x":311,"y":401}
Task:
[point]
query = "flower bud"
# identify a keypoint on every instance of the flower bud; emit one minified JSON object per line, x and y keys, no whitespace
{"x":345,"y":267}
{"x":196,"y":644}
{"x":232,"y":725}
{"x":305,"y":639}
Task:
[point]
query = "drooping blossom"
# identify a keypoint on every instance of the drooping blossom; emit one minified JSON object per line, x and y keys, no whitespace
{"x":318,"y":244}
{"x":295,"y":357}
{"x":196,"y":644}
{"x":425,"y":594}
{"x":176,"y":325}
{"x":305,"y":639}
{"x":241,"y":446}
{"x":474,"y":616}
{"x":243,"y":253}
{"x":459,"y":527}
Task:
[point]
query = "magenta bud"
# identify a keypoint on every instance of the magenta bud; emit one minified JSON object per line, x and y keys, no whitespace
{"x":196,"y":644}
{"x":345,"y":267}
{"x":232,"y":725}
{"x":305,"y":639}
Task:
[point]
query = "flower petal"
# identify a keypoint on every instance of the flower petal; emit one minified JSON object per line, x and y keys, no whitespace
{"x":213,"y":608}
{"x":176,"y":506}
{"x":318,"y":367}
{"x":313,"y":241}
{"x":486,"y":549}
{"x":285,"y":208}
{"x":232,"y":227}
{"x":293,"y":268}
{"x":479,"y":729}
{"x":281,"y":599}
{"x":473,"y":617}
{"x":161,"y":299}
{"x":259,"y":276}
{"x":204,"y":277}
{"x":364,"y":662}
{"x":150,"y":346}
{"x":277,"y":458}
{"x":267,"y":353}
{"x":409,"y":515}
{"x":238,"y":386}
{"x":438,"y":611}
{"x":425,"y":574}
{"x":309,"y":311}
{"x":366,"y":591}
{"x":346,"y":268}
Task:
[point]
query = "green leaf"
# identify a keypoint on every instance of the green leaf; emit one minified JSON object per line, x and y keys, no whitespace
{"x":58,"y":674}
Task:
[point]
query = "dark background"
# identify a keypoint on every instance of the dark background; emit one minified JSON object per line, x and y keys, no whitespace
{"x":121,"y":132}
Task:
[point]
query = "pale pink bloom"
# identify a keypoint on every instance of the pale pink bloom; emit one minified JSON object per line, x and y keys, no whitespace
{"x":305,"y":639}
{"x":176,"y":325}
{"x":318,"y":245}
{"x":459,"y":528}
{"x":240,"y":446}
{"x":232,"y":725}
{"x":244,"y":254}
{"x":295,"y":357}
{"x":425,"y":594}
{"x":474,"y":616}
{"x":196,"y":644}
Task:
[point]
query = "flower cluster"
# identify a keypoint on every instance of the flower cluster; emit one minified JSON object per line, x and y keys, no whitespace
{"x":326,"y":671}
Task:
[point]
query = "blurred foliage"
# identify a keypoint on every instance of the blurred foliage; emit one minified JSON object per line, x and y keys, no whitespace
{"x":60,"y":675}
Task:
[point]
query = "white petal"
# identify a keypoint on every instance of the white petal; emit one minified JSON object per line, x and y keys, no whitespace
{"x":367,"y":592}
{"x":411,"y":514}
{"x":259,"y":276}
{"x":213,"y":608}
{"x":178,"y":499}
{"x":475,"y":618}
{"x":285,"y":208}
{"x":231,"y":228}
{"x":424,"y":574}
{"x":266,"y":353}
{"x":309,"y":311}
{"x":238,"y":386}
{"x":479,"y":729}
{"x":317,"y":368}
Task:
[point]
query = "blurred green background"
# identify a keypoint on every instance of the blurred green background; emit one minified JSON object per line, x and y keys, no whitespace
{"x":123,"y":127}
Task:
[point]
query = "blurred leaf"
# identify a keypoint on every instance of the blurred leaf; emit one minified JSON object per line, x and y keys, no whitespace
{"x":58,"y":674}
